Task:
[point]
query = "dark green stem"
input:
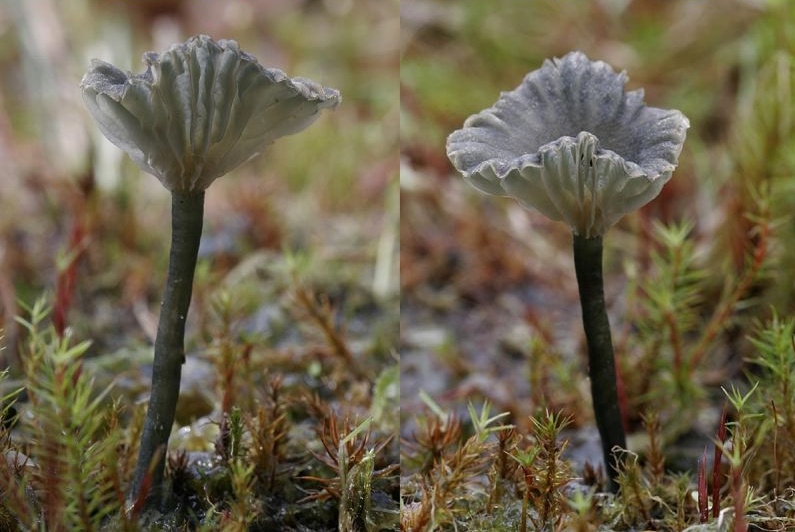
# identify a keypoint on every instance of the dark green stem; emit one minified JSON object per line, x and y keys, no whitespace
{"x":187,"y":214}
{"x":601,"y":362}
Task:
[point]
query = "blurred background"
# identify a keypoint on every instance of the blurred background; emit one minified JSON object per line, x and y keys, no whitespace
{"x":489,"y":307}
{"x":295,"y":301}
{"x":77,"y":216}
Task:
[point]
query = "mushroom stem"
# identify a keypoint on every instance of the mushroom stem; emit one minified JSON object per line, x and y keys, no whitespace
{"x":187,"y":213}
{"x":601,"y":362}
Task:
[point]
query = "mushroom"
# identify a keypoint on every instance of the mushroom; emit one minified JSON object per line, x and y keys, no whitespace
{"x":570,"y":143}
{"x":201,"y":109}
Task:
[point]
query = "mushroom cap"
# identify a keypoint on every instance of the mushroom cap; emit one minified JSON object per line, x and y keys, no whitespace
{"x":200,"y":109}
{"x":572,"y":144}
